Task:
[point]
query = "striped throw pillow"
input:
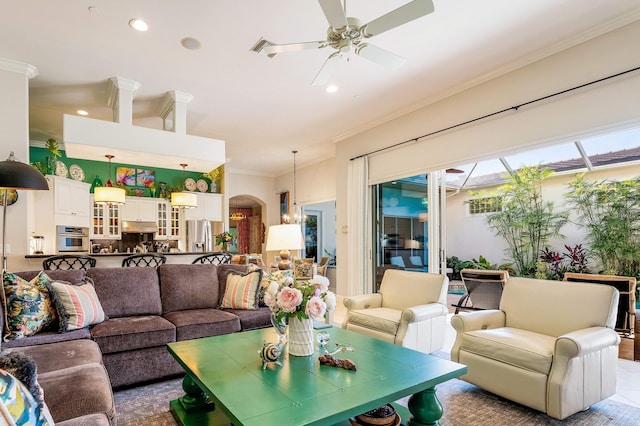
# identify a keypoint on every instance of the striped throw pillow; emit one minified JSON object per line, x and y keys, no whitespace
{"x":78,"y":305}
{"x":242,"y":290}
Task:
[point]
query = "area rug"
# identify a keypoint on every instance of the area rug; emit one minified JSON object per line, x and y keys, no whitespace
{"x":464,"y":405}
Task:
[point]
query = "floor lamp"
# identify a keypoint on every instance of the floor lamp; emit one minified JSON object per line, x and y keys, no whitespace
{"x":16,"y":175}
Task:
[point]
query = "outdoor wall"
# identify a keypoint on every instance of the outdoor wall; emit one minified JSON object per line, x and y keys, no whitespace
{"x":598,"y":109}
{"x":468,"y":236}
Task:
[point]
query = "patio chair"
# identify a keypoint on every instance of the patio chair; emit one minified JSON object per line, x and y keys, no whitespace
{"x":397,"y":261}
{"x":483,"y":289}
{"x":150,"y":260}
{"x":69,"y":261}
{"x":625,"y":319}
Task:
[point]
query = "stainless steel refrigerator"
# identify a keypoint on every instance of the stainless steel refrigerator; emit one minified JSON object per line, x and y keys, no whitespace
{"x":199,"y":236}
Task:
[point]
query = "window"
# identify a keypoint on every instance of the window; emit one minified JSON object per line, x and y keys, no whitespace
{"x":485,"y":205}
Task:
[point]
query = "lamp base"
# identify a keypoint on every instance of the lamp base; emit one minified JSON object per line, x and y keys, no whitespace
{"x":284,"y":263}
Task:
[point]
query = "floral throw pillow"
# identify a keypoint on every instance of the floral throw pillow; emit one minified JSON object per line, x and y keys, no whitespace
{"x":28,"y":306}
{"x":17,"y":405}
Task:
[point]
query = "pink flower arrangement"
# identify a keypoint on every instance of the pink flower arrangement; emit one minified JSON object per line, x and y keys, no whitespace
{"x":288,"y":297}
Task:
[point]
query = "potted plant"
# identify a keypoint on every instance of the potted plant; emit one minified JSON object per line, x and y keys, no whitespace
{"x":214,"y":176}
{"x":52,"y":159}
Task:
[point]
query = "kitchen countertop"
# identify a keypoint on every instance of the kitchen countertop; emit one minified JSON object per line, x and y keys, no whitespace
{"x":43,"y":256}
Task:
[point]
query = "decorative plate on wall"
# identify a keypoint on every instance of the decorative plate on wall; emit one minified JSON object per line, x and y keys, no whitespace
{"x":61,"y":169}
{"x":76,"y":172}
{"x":12,"y":196}
{"x":202,"y":185}
{"x":190,"y":184}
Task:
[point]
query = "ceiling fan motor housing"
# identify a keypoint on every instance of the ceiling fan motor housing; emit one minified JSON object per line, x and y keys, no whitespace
{"x":346,"y":36}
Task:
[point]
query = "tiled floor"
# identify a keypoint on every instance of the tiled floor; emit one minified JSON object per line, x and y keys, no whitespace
{"x":628,"y":387}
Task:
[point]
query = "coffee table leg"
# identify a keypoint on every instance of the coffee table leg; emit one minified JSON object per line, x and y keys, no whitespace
{"x":195,"y":398}
{"x":425,"y":408}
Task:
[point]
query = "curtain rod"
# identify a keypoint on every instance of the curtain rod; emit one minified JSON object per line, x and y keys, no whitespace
{"x":512,"y":108}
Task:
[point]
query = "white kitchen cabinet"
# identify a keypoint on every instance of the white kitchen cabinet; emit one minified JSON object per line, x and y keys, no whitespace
{"x":169,"y":221}
{"x":140,"y":209}
{"x":105,"y":221}
{"x":209,"y":207}
{"x":66,"y":203}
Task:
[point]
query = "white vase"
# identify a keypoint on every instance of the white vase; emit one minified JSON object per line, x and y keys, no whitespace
{"x":300,"y":337}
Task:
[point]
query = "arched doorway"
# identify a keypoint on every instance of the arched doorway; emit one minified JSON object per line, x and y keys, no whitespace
{"x":246,"y":223}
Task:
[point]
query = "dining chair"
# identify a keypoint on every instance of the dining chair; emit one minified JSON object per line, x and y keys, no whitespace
{"x":220,"y":258}
{"x":150,"y":260}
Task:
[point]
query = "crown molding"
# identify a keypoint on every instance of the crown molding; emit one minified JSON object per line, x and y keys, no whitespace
{"x":18,"y":67}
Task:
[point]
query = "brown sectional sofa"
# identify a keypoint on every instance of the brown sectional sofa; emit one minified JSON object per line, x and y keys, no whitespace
{"x":146,"y":309}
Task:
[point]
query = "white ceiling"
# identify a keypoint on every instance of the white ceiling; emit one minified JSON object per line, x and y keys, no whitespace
{"x":266,"y":107}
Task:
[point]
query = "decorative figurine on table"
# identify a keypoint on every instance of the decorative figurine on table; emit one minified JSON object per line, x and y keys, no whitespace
{"x":271,"y":352}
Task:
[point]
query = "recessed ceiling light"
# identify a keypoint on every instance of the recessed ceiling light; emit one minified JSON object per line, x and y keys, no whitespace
{"x":191,"y":43}
{"x":138,"y":24}
{"x":82,"y":112}
{"x":332,"y":89}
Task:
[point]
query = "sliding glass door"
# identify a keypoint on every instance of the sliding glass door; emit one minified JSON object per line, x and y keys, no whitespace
{"x":406,"y":230}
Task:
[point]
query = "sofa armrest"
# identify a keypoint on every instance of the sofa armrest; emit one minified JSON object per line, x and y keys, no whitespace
{"x":478,"y":320}
{"x":585,"y":341}
{"x":470,"y":321}
{"x":423,"y":312}
{"x":363,"y":301}
{"x":583,"y":371}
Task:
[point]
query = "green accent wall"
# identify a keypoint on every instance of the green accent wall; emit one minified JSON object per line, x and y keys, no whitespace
{"x":173,"y":178}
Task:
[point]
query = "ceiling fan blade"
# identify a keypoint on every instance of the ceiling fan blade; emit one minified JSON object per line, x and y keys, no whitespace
{"x":380,"y":56}
{"x":407,"y":13}
{"x":334,"y":13}
{"x":327,"y":69}
{"x":270,"y":49}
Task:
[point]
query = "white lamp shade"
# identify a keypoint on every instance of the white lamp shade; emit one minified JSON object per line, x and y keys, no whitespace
{"x":187,"y":200}
{"x":108,"y":195}
{"x":284,"y":237}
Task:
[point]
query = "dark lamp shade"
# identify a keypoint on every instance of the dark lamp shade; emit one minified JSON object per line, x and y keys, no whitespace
{"x":17,"y":175}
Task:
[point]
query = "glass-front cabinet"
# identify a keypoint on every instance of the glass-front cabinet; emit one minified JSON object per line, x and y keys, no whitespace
{"x":105,"y":221}
{"x":168,"y":221}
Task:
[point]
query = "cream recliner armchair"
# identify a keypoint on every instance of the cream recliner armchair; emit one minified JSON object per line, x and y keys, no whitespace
{"x":410,"y":310}
{"x":551,"y":346}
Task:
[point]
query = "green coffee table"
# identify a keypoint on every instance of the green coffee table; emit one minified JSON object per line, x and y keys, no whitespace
{"x":226,"y":384}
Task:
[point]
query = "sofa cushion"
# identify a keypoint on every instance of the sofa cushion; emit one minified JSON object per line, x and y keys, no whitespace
{"x":127,"y":291}
{"x":129,"y":333}
{"x":73,"y":276}
{"x":98,"y":419}
{"x":28,"y":306}
{"x":241,"y":290}
{"x":188,"y":286}
{"x":45,"y":337}
{"x":18,"y":406}
{"x":195,"y":323}
{"x":52,"y":357}
{"x":251,"y":319}
{"x":78,"y":391}
{"x":382,"y":319}
{"x":78,"y":306}
{"x":521,"y":348}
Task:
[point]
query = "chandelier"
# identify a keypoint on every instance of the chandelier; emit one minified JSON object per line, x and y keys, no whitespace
{"x":237,"y":215}
{"x":294,"y":215}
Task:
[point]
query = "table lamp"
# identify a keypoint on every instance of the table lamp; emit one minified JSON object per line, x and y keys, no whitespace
{"x":284,"y":238}
{"x":16,"y":175}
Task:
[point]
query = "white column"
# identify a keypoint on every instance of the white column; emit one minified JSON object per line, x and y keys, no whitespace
{"x":14,"y":136}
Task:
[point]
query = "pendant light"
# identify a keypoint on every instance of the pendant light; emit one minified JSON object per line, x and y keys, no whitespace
{"x":184,"y":199}
{"x":108,"y":194}
{"x":237,"y":215}
{"x":295,"y":213}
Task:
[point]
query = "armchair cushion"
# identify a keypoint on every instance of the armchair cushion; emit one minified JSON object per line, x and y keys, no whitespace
{"x":382,"y":319}
{"x":520,"y":348}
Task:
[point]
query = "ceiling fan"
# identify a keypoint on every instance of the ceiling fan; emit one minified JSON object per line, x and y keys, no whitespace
{"x":346,"y":34}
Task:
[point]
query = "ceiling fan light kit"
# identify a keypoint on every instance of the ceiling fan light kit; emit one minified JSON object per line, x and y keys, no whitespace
{"x":346,"y":34}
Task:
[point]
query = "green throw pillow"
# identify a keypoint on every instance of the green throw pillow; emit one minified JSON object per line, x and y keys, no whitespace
{"x":28,"y":306}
